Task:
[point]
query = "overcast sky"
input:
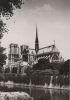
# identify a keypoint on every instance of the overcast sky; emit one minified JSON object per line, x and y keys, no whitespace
{"x":53,"y":22}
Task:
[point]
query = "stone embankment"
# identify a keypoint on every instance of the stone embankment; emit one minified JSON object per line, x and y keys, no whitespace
{"x":15,"y":96}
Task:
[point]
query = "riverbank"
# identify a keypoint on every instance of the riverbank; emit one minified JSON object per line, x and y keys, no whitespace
{"x":10,"y":85}
{"x":15,"y":96}
{"x":35,"y":81}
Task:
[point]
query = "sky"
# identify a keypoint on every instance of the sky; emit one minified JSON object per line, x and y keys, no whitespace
{"x":53,"y":23}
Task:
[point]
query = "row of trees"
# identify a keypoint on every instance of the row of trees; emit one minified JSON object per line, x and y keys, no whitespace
{"x":7,"y":8}
{"x":65,"y":68}
{"x":62,"y":68}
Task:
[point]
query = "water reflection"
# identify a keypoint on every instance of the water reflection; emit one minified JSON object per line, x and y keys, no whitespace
{"x":49,"y":94}
{"x":40,"y":93}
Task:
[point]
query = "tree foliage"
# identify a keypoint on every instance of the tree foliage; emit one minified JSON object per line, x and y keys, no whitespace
{"x":65,"y":68}
{"x":14,"y":70}
{"x":6,"y":10}
{"x":42,"y":64}
{"x":62,"y":68}
{"x":3,"y":28}
{"x":7,"y":6}
{"x":3,"y":58}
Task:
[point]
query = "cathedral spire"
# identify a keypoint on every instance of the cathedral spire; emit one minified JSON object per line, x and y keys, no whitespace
{"x":54,"y":42}
{"x":36,"y":42}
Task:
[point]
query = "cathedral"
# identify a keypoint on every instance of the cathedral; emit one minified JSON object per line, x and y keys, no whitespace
{"x":24,"y":55}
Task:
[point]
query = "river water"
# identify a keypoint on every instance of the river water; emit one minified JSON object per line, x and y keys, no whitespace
{"x":39,"y":93}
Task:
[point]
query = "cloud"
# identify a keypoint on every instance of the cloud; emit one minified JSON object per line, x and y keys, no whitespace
{"x":45,"y":7}
{"x":60,"y":4}
{"x":57,"y":4}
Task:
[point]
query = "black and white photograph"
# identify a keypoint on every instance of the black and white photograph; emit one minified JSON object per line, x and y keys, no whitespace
{"x":34,"y":49}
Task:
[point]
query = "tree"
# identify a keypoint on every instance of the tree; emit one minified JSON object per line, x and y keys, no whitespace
{"x":6,"y":10}
{"x":3,"y":28}
{"x":7,"y":6}
{"x":42,"y":64}
{"x":65,"y":68}
{"x":3,"y":56}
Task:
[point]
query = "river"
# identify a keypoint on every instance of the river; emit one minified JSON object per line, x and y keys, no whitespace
{"x":39,"y":93}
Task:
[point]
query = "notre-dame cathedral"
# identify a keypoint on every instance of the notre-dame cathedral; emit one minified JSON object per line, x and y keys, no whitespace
{"x":19,"y":55}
